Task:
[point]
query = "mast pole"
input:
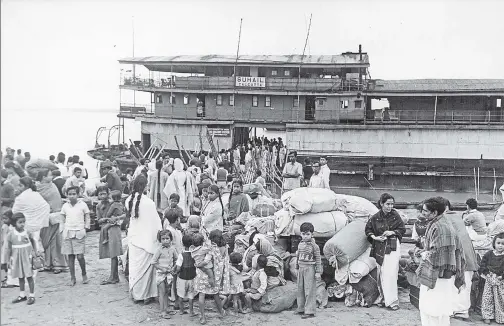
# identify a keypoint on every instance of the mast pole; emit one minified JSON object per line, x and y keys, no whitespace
{"x":236,"y":63}
{"x":133,"y":51}
{"x":300,"y":64}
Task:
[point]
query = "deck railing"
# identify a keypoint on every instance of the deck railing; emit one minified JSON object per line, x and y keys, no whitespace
{"x":439,"y":117}
{"x":325,"y":85}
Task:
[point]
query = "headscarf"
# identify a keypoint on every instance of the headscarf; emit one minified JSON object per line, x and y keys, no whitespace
{"x":178,"y":165}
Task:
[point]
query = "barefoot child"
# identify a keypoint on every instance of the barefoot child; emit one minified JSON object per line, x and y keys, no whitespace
{"x":309,"y":270}
{"x":76,"y":220}
{"x":164,"y":261}
{"x":203,"y":259}
{"x":110,"y":216}
{"x":114,"y":215}
{"x":492,"y":269}
{"x":21,"y":248}
{"x":259,"y":284}
{"x":186,"y":274}
{"x":236,"y":288}
{"x":6,"y":223}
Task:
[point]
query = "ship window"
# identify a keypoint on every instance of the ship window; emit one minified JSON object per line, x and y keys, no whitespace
{"x":498,"y":103}
{"x":274,"y":72}
{"x":296,"y":102}
{"x":267,"y":101}
{"x":159,"y":98}
{"x":231,"y":100}
{"x":358,"y":104}
{"x":286,"y":73}
{"x":344,"y":104}
{"x":186,"y":99}
{"x":255,"y":100}
{"x":172,"y":99}
{"x":320,"y":102}
{"x":219,"y":99}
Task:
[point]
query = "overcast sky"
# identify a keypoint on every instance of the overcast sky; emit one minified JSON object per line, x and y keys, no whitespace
{"x":63,"y":54}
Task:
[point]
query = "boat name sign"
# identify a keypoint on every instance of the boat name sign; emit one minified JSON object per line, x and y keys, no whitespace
{"x":250,"y":81}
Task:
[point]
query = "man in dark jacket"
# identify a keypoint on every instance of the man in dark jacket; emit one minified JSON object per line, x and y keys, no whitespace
{"x":7,"y":191}
{"x":59,"y":181}
{"x":111,"y":178}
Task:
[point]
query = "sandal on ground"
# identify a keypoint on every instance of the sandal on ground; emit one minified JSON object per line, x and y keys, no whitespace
{"x":305,"y":316}
{"x":394,"y":308}
{"x":165,"y":315}
{"x":106,"y":282}
{"x":19,"y":299}
{"x":57,"y":271}
{"x":31,"y":300}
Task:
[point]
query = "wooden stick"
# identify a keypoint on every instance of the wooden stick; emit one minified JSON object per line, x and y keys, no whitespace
{"x":161,"y":151}
{"x":148,"y":150}
{"x":180,"y":152}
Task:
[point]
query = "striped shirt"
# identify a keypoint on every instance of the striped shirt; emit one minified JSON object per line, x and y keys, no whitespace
{"x":308,"y":253}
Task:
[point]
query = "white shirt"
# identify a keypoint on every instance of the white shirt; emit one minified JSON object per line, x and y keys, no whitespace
{"x":64,"y":170}
{"x":77,"y":219}
{"x":318,"y":181}
{"x":326,"y":172}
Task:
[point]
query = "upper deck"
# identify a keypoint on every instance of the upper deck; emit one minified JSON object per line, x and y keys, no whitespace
{"x":273,"y":74}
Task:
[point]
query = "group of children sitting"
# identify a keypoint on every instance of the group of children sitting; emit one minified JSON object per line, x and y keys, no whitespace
{"x":221,"y":270}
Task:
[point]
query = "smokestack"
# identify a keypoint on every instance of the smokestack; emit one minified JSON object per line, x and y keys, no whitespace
{"x":360,"y":52}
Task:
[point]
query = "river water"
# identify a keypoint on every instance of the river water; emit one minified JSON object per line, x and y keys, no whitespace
{"x":48,"y":132}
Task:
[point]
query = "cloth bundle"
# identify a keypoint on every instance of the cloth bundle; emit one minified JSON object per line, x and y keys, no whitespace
{"x":356,"y":270}
{"x":326,"y":224}
{"x":346,"y":245}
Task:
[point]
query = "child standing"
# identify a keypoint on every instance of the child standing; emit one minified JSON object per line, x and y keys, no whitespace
{"x":236,"y":282}
{"x":492,"y":269}
{"x":20,"y":247}
{"x":110,"y":216}
{"x":309,"y":270}
{"x":114,"y":215}
{"x":259,"y":284}
{"x":164,"y":261}
{"x":174,"y":204}
{"x":203,"y":259}
{"x":238,"y":202}
{"x":76,"y":220}
{"x":186,"y":274}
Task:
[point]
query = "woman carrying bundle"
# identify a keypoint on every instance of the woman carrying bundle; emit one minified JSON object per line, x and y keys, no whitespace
{"x":384,"y":231}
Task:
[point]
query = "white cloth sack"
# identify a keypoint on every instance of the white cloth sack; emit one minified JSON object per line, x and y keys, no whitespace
{"x":312,"y":200}
{"x":348,"y":244}
{"x":355,"y":207}
{"x":356,"y":270}
{"x":326,"y":224}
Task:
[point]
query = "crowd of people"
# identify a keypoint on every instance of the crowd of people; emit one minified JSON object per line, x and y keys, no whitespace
{"x":178,"y":217}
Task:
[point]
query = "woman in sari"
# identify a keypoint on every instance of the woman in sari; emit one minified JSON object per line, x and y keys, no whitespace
{"x":156,"y":183}
{"x":264,"y":247}
{"x":442,"y":266}
{"x":34,"y":208}
{"x":50,"y":236}
{"x":384,"y":231}
{"x":179,"y":182}
{"x":144,"y":224}
{"x":212,"y":215}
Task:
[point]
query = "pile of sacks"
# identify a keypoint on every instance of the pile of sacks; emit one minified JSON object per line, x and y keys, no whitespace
{"x":339,"y":222}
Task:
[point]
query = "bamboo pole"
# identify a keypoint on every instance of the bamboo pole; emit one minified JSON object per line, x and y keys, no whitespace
{"x":180,"y":152}
{"x":475,"y":184}
{"x":148,"y":150}
{"x":161,"y":151}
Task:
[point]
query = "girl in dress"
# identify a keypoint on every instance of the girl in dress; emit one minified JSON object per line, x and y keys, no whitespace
{"x":21,"y":249}
{"x":492,"y":269}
